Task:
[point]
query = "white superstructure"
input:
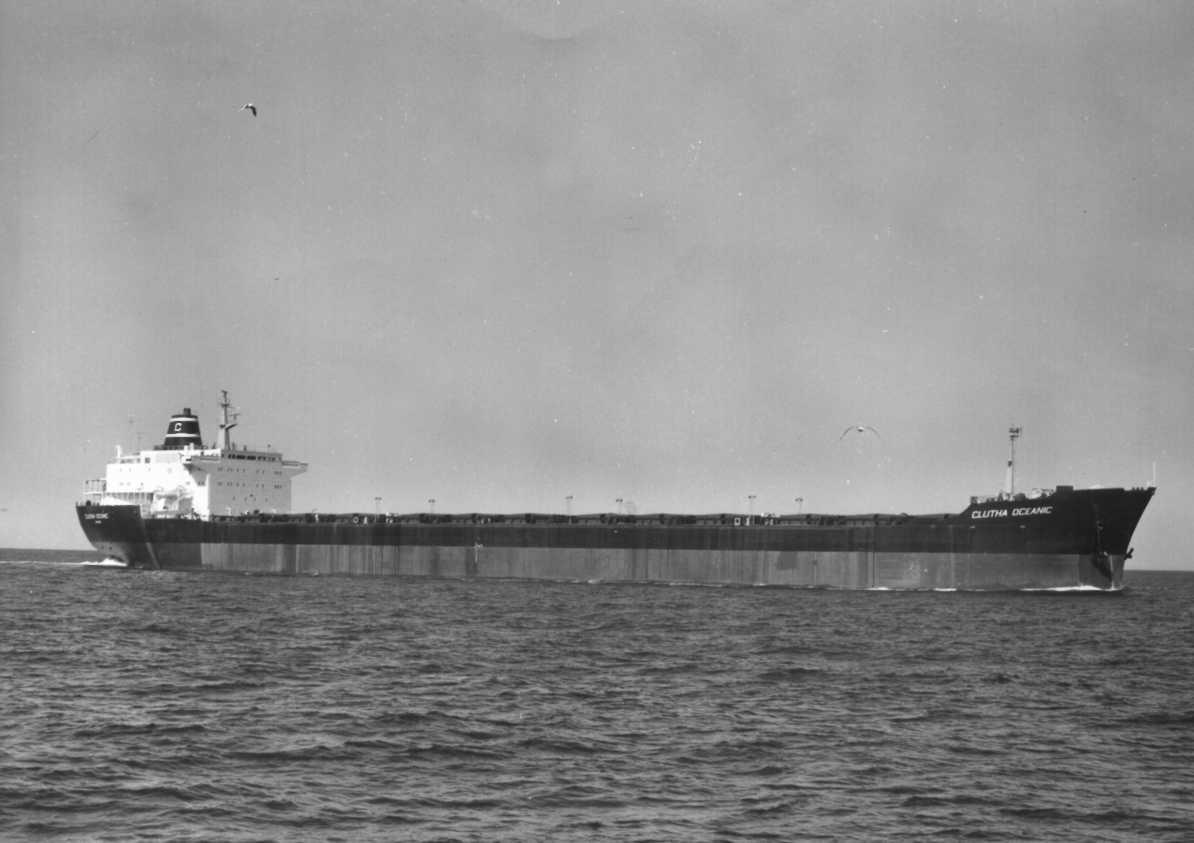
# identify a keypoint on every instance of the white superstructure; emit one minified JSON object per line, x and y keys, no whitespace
{"x":182,"y":478}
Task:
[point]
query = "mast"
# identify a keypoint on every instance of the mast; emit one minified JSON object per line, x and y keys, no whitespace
{"x":1013,"y":435}
{"x":226,"y":425}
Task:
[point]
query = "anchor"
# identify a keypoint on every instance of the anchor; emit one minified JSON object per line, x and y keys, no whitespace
{"x":1101,"y":559}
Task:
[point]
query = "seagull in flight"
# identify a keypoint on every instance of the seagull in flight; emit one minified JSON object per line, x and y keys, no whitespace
{"x":858,"y":428}
{"x":249,"y":107}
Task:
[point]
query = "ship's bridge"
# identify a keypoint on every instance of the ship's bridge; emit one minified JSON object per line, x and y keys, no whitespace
{"x":181,"y":478}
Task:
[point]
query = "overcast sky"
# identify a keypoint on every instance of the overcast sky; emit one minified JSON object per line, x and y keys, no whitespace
{"x":498,"y":253}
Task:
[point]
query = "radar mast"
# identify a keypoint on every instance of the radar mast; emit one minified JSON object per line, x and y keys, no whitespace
{"x":1013,"y":434}
{"x":226,"y":425}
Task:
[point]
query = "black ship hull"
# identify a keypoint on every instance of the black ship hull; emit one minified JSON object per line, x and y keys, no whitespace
{"x":1068,"y":539}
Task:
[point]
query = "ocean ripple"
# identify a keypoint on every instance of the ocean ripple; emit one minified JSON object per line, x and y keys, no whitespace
{"x":169,"y":706}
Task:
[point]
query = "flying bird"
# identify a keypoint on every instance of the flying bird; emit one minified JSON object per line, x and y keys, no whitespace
{"x":249,"y":106}
{"x":858,"y":428}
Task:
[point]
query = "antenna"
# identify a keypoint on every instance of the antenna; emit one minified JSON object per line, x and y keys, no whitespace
{"x":1013,"y":434}
{"x":225,"y":424}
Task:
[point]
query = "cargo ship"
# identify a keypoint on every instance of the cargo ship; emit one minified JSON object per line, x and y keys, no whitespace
{"x":184,"y":505}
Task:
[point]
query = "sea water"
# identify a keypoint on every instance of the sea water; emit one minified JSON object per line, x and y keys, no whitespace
{"x":175,"y":706}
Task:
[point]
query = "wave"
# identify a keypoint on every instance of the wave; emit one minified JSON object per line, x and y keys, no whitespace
{"x":790,"y":674}
{"x":107,"y":562}
{"x":110,"y":730}
{"x":1162,"y":718}
{"x":1073,"y":589}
